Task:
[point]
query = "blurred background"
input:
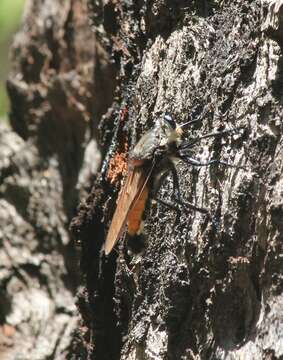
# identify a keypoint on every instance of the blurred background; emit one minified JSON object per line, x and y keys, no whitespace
{"x":10,"y":17}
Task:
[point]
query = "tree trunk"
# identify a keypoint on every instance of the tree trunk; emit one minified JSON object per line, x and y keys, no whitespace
{"x":47,"y":160}
{"x":203,"y":287}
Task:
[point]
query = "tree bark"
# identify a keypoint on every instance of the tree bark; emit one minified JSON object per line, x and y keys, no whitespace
{"x":204,"y":287}
{"x":47,"y":161}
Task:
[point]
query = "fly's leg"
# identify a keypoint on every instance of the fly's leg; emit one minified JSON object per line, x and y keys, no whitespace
{"x":190,"y":144}
{"x":156,"y":186}
{"x":178,"y":197}
{"x":194,"y":162}
{"x":176,"y":191}
{"x":167,"y":204}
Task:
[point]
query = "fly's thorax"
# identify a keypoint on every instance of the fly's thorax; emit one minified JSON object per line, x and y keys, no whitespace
{"x":163,"y":138}
{"x":145,"y":147}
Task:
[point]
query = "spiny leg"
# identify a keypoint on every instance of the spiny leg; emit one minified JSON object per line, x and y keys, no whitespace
{"x":194,"y":162}
{"x":167,"y":204}
{"x":156,"y":186}
{"x":190,"y":144}
{"x":177,"y":193}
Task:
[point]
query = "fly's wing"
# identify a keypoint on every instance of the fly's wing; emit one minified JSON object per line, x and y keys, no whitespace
{"x":136,"y":181}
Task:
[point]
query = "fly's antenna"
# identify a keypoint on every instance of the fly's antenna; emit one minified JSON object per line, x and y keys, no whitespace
{"x":179,"y":128}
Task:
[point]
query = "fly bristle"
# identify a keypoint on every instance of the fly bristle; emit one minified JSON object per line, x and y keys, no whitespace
{"x":179,"y":131}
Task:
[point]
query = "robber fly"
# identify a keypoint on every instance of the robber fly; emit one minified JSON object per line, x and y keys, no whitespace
{"x":150,"y":161}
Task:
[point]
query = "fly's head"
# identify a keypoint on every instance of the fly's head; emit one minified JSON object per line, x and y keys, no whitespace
{"x":171,"y":132}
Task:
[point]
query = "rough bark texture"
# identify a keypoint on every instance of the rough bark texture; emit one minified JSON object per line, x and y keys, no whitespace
{"x":203,"y":288}
{"x":47,"y":160}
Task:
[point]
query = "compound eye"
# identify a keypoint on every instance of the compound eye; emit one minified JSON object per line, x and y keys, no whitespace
{"x":168,"y":118}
